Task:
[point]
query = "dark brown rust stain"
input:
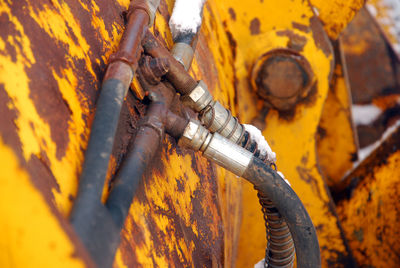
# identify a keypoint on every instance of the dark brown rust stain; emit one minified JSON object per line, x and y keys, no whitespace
{"x":255,"y":26}
{"x":232,"y":14}
{"x":320,"y":37}
{"x":38,"y":172}
{"x":305,"y":175}
{"x":208,"y":248}
{"x":301,"y":27}
{"x":296,"y":41}
{"x":37,"y":167}
{"x":8,"y":29}
{"x":44,"y":88}
{"x":371,"y":73}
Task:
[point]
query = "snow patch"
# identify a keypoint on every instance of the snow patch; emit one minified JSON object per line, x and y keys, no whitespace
{"x":186,"y":17}
{"x":387,"y":13}
{"x":283,"y":177}
{"x":365,"y":114}
{"x":260,"y":264}
{"x":263,"y":146}
{"x":363,"y":153}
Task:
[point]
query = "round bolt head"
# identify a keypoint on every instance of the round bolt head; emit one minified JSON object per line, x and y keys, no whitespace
{"x":282,"y":77}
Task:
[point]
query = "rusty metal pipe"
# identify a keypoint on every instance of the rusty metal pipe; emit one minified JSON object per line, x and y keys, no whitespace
{"x":116,"y":82}
{"x":177,"y":74}
{"x":147,"y":141}
{"x":212,"y":113}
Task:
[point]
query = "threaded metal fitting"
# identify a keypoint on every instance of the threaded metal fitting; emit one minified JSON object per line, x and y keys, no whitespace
{"x":198,"y":98}
{"x":218,"y":119}
{"x":216,"y":148}
{"x":183,"y":53}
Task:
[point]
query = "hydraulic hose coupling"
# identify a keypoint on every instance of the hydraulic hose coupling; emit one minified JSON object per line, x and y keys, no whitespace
{"x":216,"y":148}
{"x":212,"y":114}
{"x":183,"y":53}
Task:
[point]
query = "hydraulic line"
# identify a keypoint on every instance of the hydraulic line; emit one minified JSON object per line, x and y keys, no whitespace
{"x":196,"y":96}
{"x":185,"y":24}
{"x":87,"y":207}
{"x":287,"y":220}
{"x":273,"y":189}
{"x":280,"y":250}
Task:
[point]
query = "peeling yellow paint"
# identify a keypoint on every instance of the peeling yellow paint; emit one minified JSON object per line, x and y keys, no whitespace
{"x":31,"y":234}
{"x":370,"y":216}
{"x":336,"y":14}
{"x":58,"y":24}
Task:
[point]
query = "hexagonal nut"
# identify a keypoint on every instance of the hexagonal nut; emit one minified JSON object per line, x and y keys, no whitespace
{"x":198,"y":98}
{"x":194,"y":135}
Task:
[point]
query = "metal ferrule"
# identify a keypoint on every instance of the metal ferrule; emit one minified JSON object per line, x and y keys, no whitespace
{"x":213,"y":115}
{"x":218,"y":119}
{"x":183,"y":53}
{"x":216,"y":148}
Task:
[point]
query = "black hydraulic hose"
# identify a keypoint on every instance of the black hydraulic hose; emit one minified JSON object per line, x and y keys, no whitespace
{"x":272,"y":187}
{"x":146,"y":143}
{"x":98,"y":152}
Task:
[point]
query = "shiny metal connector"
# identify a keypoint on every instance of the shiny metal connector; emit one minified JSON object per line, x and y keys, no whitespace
{"x":183,"y":53}
{"x":199,"y":98}
{"x":218,"y":119}
{"x":213,"y":115}
{"x":216,"y":148}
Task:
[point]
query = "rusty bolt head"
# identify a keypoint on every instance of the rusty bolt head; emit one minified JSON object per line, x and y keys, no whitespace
{"x":153,"y":69}
{"x":282,"y":77}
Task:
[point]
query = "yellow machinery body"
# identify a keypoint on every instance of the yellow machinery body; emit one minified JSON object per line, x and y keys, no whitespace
{"x":187,"y":211}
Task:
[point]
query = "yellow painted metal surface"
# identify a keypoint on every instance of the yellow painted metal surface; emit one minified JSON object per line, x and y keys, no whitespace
{"x":187,"y":210}
{"x":32,"y":235}
{"x":336,"y":14}
{"x":370,"y":211}
{"x":337,"y":143}
{"x":288,"y":24}
{"x":51,"y":63}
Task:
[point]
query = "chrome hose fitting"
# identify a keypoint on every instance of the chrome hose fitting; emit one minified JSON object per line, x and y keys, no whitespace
{"x":213,"y":115}
{"x":183,"y":53}
{"x":216,"y":148}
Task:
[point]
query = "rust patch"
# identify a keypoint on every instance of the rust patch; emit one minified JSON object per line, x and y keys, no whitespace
{"x":207,"y":247}
{"x":38,"y":168}
{"x":39,"y":173}
{"x":255,"y":26}
{"x":320,"y":37}
{"x":232,"y":43}
{"x":301,"y":27}
{"x":296,"y":41}
{"x":304,"y":175}
{"x":232,"y":13}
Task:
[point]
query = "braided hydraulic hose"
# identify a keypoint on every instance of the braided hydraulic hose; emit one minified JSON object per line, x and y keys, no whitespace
{"x":280,"y":250}
{"x":291,"y":227}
